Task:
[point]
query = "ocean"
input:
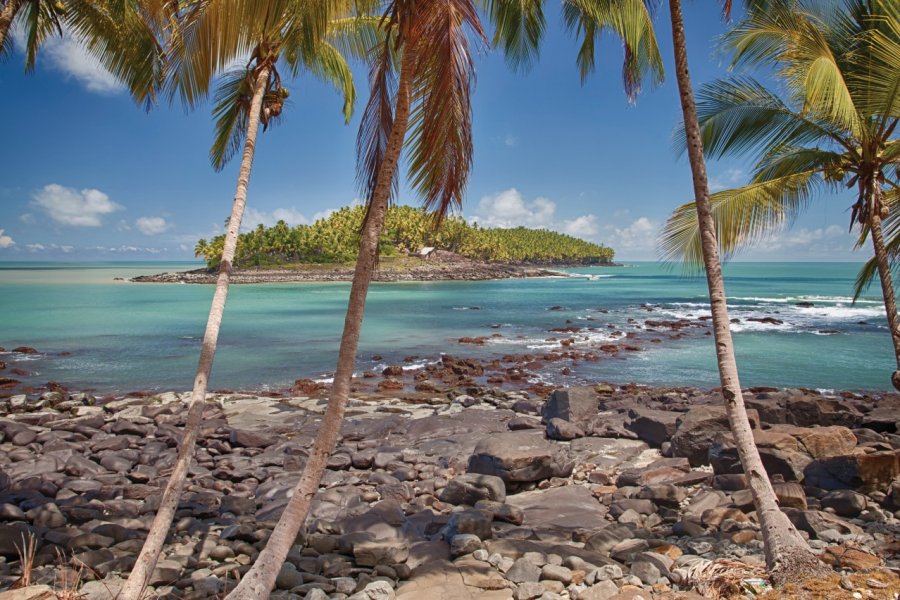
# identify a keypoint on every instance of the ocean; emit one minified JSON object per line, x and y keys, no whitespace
{"x":99,"y":333}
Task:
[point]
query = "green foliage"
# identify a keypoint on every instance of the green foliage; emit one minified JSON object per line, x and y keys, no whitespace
{"x":335,"y":239}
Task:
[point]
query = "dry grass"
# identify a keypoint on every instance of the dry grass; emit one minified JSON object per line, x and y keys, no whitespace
{"x":67,"y":586}
{"x":867,"y":584}
{"x":26,"y":553}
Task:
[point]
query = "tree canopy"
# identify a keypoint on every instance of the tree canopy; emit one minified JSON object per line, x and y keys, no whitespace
{"x":334,"y":239}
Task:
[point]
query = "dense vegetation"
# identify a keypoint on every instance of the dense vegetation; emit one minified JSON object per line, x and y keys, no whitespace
{"x":407,"y":230}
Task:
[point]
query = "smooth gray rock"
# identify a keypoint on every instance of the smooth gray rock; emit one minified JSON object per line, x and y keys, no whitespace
{"x":524,"y":570}
{"x":519,"y":456}
{"x":469,"y":488}
{"x":576,"y":404}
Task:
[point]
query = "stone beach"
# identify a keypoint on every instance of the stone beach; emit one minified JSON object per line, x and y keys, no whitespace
{"x":585,"y":493}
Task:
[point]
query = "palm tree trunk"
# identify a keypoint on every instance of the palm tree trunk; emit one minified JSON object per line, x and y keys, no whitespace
{"x":156,"y":537}
{"x":884,"y":272}
{"x":260,"y":579}
{"x":7,"y":14}
{"x":787,"y":555}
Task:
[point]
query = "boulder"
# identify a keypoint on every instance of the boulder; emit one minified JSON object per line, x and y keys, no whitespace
{"x":815,"y":522}
{"x":251,"y":439}
{"x":864,"y":472}
{"x":575,"y":404}
{"x":698,"y":428}
{"x":821,"y":442}
{"x":560,"y":429}
{"x":781,"y":454}
{"x":845,"y":503}
{"x":519,"y":456}
{"x":469,"y":488}
{"x":806,"y":411}
{"x":652,"y":426}
{"x":471,"y":521}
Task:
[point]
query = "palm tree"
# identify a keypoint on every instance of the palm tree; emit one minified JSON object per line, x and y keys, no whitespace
{"x":841,"y":68}
{"x":788,"y":557}
{"x":430,"y":39}
{"x":214,"y":34}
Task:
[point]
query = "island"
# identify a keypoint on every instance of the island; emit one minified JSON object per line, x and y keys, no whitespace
{"x":413,"y":248}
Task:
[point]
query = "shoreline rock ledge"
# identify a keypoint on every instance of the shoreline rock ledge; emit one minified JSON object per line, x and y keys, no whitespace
{"x":440,"y":266}
{"x":592,"y":493}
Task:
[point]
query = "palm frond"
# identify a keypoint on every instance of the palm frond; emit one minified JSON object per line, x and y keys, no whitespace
{"x":42,"y":19}
{"x":355,"y":37}
{"x":518,"y":28}
{"x":632,"y":22}
{"x":128,"y":38}
{"x":743,"y":216}
{"x":440,"y":140}
{"x":795,"y":38}
{"x":377,"y":121}
{"x":230,"y":111}
{"x":739,"y":115}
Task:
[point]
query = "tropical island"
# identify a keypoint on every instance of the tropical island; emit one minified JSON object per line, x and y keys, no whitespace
{"x":413,"y":247}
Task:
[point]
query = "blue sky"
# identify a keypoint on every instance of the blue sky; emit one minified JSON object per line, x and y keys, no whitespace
{"x":87,"y":175}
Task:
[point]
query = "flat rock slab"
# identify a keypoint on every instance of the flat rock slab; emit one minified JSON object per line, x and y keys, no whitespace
{"x":442,"y":580}
{"x":607,"y":453}
{"x":569,"y":507}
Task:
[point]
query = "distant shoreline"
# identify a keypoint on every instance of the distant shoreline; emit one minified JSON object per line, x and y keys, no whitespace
{"x":445,"y":266}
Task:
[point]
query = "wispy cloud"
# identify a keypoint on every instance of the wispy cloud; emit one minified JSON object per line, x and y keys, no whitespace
{"x":291,"y":216}
{"x":68,"y":206}
{"x":152,"y":225}
{"x":727,"y":179}
{"x":68,"y":56}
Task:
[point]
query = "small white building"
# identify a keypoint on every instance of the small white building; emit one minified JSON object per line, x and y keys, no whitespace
{"x":426,"y":251}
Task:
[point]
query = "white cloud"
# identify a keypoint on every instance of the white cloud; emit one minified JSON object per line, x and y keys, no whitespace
{"x":151,"y":225}
{"x":584,"y":226}
{"x":27,"y":218}
{"x":68,"y":206}
{"x":832,"y":241}
{"x":637,"y":240}
{"x":291,"y":216}
{"x":510,"y":141}
{"x":68,"y":56}
{"x":509,"y":209}
{"x":36,"y":247}
{"x":729,"y":179}
{"x":5,"y":240}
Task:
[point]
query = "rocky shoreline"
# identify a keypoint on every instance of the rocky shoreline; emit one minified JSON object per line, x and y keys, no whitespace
{"x":590,"y":493}
{"x":440,"y":266}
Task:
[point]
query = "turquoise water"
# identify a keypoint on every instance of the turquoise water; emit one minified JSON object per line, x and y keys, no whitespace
{"x":125,"y":336}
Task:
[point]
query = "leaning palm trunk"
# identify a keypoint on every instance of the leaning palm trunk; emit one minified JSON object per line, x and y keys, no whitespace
{"x":7,"y":14}
{"x":884,"y":272}
{"x":146,"y":561}
{"x":260,"y":579}
{"x":788,"y":557}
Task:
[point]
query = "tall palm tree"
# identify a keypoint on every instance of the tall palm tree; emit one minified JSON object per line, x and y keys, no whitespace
{"x":429,"y":95}
{"x":788,"y":557}
{"x":840,"y":64}
{"x":302,"y":34}
{"x":787,"y":554}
